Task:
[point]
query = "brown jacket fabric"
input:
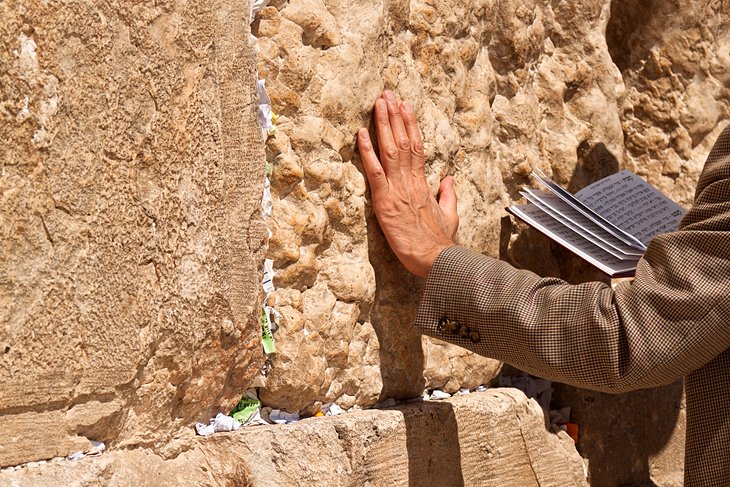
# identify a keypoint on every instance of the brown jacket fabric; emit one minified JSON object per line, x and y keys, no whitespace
{"x":671,"y":321}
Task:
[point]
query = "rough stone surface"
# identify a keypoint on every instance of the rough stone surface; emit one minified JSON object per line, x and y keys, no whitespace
{"x":629,"y":439}
{"x":499,"y":88}
{"x":130,"y":188}
{"x":131,"y":173}
{"x":492,"y":438}
{"x":579,"y":89}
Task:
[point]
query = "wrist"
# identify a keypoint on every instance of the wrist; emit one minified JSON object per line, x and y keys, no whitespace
{"x":429,"y":258}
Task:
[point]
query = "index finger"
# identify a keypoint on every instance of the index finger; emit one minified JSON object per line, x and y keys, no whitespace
{"x":373,"y":169}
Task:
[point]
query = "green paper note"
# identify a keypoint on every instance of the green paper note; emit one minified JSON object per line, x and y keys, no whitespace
{"x":267,"y":338}
{"x":245,"y":408}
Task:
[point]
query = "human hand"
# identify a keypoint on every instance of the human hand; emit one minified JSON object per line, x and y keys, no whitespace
{"x":417,"y":226}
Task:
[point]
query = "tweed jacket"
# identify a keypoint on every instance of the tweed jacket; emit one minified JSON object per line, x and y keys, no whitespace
{"x":671,"y":321}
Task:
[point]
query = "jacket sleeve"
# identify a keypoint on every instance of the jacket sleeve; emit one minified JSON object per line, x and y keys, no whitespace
{"x":670,"y":320}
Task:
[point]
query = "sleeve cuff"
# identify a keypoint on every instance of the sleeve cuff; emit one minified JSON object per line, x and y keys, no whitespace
{"x":441,"y":311}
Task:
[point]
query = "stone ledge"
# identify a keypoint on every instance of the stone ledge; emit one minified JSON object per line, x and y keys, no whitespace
{"x":497,"y":437}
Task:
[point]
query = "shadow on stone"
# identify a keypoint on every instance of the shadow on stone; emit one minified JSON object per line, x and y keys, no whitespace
{"x":627,"y":25}
{"x":594,"y":162}
{"x":625,"y":436}
{"x":392,"y":314}
{"x":432,"y":441}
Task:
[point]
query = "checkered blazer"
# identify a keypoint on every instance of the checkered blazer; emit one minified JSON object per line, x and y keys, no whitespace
{"x":671,"y":321}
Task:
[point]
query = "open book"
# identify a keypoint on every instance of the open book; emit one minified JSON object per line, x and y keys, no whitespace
{"x":608,"y":223}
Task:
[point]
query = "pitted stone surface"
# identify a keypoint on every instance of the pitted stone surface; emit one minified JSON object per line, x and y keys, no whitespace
{"x":499,"y":88}
{"x":131,"y":180}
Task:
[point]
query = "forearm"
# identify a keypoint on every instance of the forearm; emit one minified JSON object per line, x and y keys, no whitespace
{"x":584,"y":335}
{"x":672,"y":319}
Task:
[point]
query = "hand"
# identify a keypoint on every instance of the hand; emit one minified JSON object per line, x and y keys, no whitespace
{"x":417,"y":226}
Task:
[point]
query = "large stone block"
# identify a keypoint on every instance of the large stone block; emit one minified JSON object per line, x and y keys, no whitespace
{"x":492,"y":438}
{"x":499,"y":89}
{"x":579,"y":89}
{"x":132,"y":171}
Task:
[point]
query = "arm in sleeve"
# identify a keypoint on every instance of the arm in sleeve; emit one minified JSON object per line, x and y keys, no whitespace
{"x":670,"y":320}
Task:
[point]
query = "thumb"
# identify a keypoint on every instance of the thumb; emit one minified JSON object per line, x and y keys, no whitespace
{"x":447,"y":197}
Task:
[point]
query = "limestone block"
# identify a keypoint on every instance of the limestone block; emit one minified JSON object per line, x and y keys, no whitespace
{"x":579,"y":89}
{"x":132,"y":171}
{"x":499,"y":88}
{"x":492,"y":438}
{"x":673,"y":58}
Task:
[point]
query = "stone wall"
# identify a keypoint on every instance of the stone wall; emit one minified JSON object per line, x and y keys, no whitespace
{"x":132,"y":172}
{"x":499,"y":88}
{"x":491,"y":438}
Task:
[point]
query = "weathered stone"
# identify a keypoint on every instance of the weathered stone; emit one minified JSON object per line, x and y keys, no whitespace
{"x":479,"y":122}
{"x":673,"y":58}
{"x":492,"y":438}
{"x":132,"y":172}
{"x":629,"y":439}
{"x":580,"y":90}
{"x":499,"y":88}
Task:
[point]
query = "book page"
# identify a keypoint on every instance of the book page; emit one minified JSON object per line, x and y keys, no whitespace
{"x":571,"y":240}
{"x":632,"y":204}
{"x":587,"y":211}
{"x":576,"y":221}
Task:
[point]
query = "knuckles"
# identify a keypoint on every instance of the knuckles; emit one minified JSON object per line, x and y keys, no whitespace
{"x":391,"y":152}
{"x":417,"y":148}
{"x":404,"y":144}
{"x":377,"y":173}
{"x":410,"y":118}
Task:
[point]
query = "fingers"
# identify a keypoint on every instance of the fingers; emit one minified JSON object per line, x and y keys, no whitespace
{"x":416,"y":142}
{"x":447,"y":198}
{"x":388,"y":149}
{"x":373,"y":170}
{"x":400,"y":135}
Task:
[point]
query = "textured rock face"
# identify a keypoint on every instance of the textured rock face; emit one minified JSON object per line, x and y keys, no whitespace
{"x":630,"y":439}
{"x":579,"y":89}
{"x":131,"y":239}
{"x":499,"y":88}
{"x":131,"y":175}
{"x":676,"y":66}
{"x":492,"y":438}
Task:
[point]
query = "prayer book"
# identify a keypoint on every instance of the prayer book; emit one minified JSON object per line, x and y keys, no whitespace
{"x":609,"y":223}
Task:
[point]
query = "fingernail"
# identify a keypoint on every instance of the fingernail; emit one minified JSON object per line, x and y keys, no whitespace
{"x":364,"y":134}
{"x":406,"y":107}
{"x":389,"y":96}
